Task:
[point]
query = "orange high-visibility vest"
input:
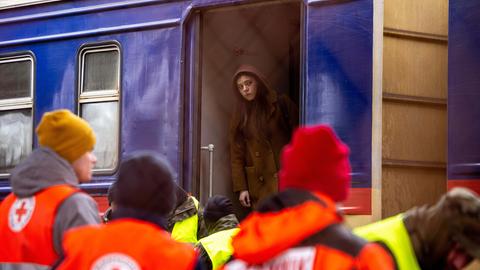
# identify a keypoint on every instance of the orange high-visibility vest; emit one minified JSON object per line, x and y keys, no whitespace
{"x":337,"y":248}
{"x":125,"y":242}
{"x":26,"y":226}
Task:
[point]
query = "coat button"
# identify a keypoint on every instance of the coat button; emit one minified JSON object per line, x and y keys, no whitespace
{"x":260,"y":178}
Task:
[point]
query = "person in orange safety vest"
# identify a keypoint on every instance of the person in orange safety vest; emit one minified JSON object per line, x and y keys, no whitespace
{"x":300,"y":227}
{"x":45,"y":201}
{"x":135,"y":238}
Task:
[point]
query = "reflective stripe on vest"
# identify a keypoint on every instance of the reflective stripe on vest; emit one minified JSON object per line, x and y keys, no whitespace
{"x":393,"y":234}
{"x":26,"y":226}
{"x":219,"y":246}
{"x":125,"y":244}
{"x":295,"y":258}
{"x":186,"y":230}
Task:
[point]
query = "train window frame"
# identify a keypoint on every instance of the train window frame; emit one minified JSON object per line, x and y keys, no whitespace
{"x":21,"y":103}
{"x":24,"y":3}
{"x":101,"y":96}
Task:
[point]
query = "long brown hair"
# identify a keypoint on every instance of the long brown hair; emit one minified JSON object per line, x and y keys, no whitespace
{"x":252,"y":116}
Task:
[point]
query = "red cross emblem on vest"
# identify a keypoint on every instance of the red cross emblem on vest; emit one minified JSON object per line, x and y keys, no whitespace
{"x":20,"y":213}
{"x":115,"y":261}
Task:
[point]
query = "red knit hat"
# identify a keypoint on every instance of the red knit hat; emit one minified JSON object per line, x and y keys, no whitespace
{"x":316,"y":160}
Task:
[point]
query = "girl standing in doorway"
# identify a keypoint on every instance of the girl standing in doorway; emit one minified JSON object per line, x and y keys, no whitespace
{"x":260,"y":126}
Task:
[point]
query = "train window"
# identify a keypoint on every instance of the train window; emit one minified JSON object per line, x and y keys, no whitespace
{"x":16,"y":110}
{"x":100,"y":72}
{"x":99,"y":96}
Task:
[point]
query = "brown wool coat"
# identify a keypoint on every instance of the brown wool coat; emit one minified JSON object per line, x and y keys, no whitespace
{"x":255,"y":162}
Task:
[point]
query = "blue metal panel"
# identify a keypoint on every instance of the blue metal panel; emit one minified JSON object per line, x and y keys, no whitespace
{"x":151,"y":70}
{"x":211,"y":3}
{"x":151,"y":92}
{"x":87,"y":21}
{"x":464,"y":90}
{"x":339,"y":45}
{"x":69,"y":8}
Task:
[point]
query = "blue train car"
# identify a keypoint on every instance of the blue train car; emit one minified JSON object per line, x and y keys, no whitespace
{"x":156,"y":74}
{"x":464,"y":95}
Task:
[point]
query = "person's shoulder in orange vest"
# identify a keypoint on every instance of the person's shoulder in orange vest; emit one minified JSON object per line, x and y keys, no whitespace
{"x":126,"y":240}
{"x":136,"y":237}
{"x":300,"y":227}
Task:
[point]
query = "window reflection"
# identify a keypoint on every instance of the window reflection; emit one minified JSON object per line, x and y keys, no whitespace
{"x":15,"y":138}
{"x":16,"y":79}
{"x":103,"y":117}
{"x":16,"y":110}
{"x":101,"y":71}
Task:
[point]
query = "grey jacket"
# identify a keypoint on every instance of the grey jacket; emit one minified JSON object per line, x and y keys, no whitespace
{"x":43,"y":169}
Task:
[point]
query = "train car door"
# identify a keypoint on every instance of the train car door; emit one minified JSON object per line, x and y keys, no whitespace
{"x":324,"y":48}
{"x":265,"y":35}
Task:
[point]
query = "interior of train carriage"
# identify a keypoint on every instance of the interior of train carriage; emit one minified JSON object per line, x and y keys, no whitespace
{"x":265,"y":35}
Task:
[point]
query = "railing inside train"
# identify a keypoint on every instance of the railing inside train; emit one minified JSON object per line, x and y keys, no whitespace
{"x":210,"y":148}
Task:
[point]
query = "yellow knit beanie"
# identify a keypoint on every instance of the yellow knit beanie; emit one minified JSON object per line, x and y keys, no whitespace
{"x":65,"y":133}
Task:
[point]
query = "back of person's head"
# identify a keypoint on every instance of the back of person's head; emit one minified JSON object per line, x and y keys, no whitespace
{"x":217,"y":207}
{"x":316,"y":160}
{"x":145,"y":182}
{"x":461,"y":209}
{"x":65,"y":133}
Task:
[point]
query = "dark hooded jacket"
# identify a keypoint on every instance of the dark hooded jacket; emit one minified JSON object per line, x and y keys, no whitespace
{"x":43,"y":169}
{"x":254,"y":160}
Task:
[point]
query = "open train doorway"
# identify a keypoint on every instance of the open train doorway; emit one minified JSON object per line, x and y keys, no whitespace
{"x":265,"y":35}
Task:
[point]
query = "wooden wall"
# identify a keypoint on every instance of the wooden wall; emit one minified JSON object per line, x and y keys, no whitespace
{"x":414,"y":98}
